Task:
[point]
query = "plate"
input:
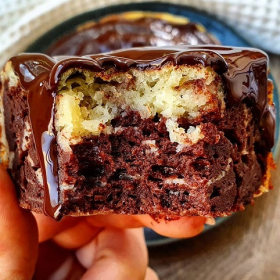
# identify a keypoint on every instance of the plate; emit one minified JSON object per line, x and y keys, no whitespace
{"x":225,"y":34}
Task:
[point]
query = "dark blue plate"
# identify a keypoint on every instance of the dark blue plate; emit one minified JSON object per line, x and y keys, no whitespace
{"x":225,"y":34}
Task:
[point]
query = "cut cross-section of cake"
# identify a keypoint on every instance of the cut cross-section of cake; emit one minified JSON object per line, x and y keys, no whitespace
{"x":161,"y":131}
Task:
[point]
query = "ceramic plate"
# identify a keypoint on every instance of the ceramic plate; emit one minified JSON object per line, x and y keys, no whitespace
{"x":225,"y":34}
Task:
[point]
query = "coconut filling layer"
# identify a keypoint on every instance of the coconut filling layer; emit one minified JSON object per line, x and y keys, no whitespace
{"x":6,"y":75}
{"x":88,"y":101}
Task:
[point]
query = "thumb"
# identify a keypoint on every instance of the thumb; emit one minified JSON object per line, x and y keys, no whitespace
{"x":18,"y":234}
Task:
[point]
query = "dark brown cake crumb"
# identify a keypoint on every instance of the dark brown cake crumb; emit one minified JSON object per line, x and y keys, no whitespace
{"x":118,"y":171}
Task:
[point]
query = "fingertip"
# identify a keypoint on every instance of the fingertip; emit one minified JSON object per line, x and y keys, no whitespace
{"x":196,"y":223}
{"x":180,"y":228}
{"x":189,"y":226}
{"x":151,"y":274}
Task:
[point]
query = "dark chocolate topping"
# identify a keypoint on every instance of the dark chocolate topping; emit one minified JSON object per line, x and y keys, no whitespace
{"x":33,"y":71}
{"x":244,"y":72}
{"x":119,"y":33}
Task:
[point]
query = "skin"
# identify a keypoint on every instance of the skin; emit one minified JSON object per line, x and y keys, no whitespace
{"x":96,"y":247}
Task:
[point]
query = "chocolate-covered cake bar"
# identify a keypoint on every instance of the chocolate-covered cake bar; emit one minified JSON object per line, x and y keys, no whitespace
{"x":163,"y":131}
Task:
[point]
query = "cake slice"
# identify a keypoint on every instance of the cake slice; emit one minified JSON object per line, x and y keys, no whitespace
{"x":161,"y":131}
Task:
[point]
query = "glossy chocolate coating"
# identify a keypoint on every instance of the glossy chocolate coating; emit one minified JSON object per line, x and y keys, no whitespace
{"x":33,"y":71}
{"x":244,"y":72}
{"x":119,"y":33}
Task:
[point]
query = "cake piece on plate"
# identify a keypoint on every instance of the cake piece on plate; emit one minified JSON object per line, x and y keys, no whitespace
{"x":131,"y":29}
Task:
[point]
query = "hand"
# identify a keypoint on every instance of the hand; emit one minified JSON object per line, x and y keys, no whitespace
{"x":96,"y":247}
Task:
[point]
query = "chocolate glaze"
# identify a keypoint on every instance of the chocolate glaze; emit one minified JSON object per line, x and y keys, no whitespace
{"x":118,"y":33}
{"x":244,"y":72}
{"x":33,"y":72}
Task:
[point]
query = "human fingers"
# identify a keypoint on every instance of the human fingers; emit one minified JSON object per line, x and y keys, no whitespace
{"x":70,"y":232}
{"x":179,"y":228}
{"x":123,"y":251}
{"x":74,"y":232}
{"x":19,"y":236}
{"x":57,"y":263}
{"x":81,"y":233}
{"x":48,"y":227}
{"x":77,"y":236}
{"x":65,"y":230}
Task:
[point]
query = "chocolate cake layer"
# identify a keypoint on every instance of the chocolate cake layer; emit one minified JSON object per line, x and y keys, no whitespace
{"x":131,"y":29}
{"x":163,"y":131}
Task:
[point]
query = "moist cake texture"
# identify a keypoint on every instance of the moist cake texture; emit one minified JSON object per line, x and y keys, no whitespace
{"x":162,"y":131}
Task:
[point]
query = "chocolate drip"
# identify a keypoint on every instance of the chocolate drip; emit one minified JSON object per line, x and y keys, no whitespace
{"x":118,"y":33}
{"x":244,"y":73}
{"x":33,"y":71}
